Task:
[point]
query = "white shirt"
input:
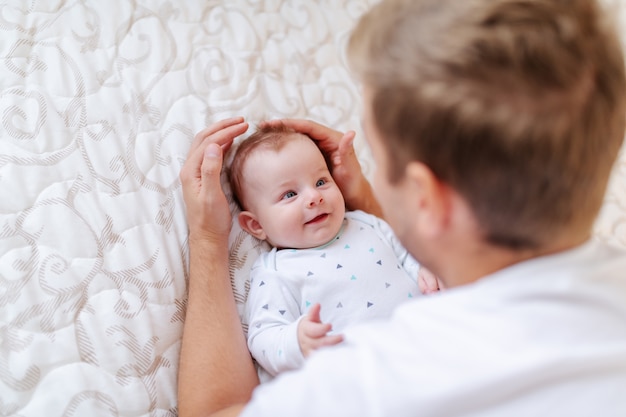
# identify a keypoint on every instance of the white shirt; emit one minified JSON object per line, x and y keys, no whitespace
{"x":546,"y":337}
{"x":364,"y":273}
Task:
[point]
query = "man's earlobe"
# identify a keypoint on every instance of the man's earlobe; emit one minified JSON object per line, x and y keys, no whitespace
{"x":250,"y":224}
{"x":429,"y":198}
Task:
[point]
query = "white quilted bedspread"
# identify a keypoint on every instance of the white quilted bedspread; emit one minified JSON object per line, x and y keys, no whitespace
{"x":99,"y":103}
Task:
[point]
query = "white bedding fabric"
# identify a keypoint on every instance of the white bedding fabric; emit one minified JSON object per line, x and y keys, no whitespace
{"x":99,"y":103}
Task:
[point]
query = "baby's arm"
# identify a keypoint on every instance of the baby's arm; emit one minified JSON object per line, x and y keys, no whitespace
{"x":272,"y":325}
{"x":427,"y":282}
{"x":313,"y":334}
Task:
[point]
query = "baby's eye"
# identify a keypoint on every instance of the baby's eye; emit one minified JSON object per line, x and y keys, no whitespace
{"x":289,"y":194}
{"x":320,"y":182}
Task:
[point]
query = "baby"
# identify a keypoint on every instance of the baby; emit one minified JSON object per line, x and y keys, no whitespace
{"x":328,"y":267}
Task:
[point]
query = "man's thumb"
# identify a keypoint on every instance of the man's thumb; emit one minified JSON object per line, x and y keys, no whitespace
{"x":212,"y":163}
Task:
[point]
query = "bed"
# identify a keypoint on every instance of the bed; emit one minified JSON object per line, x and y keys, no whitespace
{"x":99,"y":104}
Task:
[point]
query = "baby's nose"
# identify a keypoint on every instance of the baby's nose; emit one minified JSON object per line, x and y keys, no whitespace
{"x":315,"y":198}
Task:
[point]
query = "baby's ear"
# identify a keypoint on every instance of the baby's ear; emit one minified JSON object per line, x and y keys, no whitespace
{"x":250,"y":224}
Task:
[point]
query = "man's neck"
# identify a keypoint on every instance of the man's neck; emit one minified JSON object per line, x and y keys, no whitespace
{"x":482,"y":259}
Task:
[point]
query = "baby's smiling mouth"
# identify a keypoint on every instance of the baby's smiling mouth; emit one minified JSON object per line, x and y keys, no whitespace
{"x":317,"y":219}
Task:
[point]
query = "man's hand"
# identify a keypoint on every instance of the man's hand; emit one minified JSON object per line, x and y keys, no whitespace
{"x":208,"y":213}
{"x":312,"y":333}
{"x":215,"y":371}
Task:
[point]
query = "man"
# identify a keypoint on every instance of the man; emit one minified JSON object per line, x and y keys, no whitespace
{"x":494,"y":125}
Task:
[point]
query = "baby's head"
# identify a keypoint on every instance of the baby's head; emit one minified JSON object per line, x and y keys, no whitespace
{"x":287,"y":195}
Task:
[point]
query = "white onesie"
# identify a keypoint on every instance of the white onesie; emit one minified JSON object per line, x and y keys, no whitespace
{"x":362,"y":274}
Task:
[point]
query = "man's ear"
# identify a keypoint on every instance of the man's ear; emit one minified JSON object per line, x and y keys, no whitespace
{"x":250,"y":224}
{"x":430,"y":199}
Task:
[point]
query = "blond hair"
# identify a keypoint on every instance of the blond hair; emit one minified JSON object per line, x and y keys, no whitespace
{"x":519,"y":105}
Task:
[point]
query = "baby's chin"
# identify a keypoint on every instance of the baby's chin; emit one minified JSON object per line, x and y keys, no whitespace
{"x":310,"y":243}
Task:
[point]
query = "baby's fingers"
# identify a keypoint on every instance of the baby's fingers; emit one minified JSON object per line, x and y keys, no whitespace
{"x":315,"y":330}
{"x":329,"y":340}
{"x":309,"y":344}
{"x":427,"y":281}
{"x":313,"y":315}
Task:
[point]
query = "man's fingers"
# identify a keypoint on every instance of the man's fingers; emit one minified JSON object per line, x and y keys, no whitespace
{"x":215,"y":127}
{"x":313,"y":129}
{"x":223,"y":137}
{"x":211,"y":166}
{"x":345,"y":148}
{"x":217,"y":217}
{"x":222,"y":132}
{"x":346,"y":143}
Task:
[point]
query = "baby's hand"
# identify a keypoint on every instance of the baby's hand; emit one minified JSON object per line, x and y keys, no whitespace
{"x":312,"y":332}
{"x":428,"y":282}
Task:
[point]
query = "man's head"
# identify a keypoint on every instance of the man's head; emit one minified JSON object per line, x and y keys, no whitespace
{"x":282,"y":183}
{"x":517,"y":105}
